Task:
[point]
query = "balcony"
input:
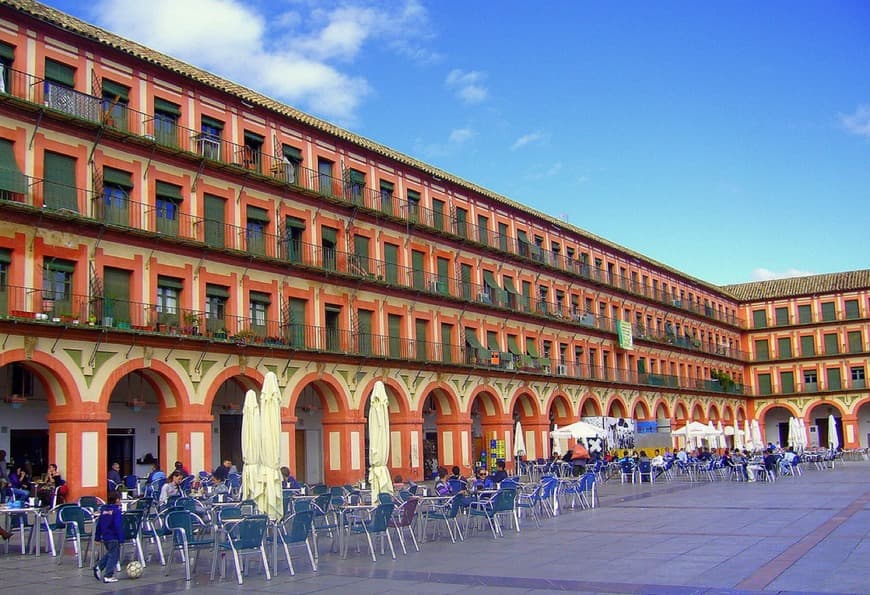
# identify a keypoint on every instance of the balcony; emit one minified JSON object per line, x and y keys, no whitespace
{"x":134,"y":126}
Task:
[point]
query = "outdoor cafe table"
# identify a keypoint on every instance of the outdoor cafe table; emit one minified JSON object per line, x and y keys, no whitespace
{"x":20,"y":515}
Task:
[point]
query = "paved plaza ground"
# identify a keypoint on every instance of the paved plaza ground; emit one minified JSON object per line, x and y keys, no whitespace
{"x":804,"y":535}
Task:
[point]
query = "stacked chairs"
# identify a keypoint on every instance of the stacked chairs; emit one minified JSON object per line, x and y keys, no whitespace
{"x":189,"y":532}
{"x":244,"y":537}
{"x":295,"y":530}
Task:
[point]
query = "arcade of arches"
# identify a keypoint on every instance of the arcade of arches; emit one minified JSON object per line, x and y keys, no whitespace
{"x":82,"y":406}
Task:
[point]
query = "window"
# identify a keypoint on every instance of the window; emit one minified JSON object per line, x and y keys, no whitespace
{"x":831,"y":344}
{"x":465,"y":283}
{"x":117,"y":185}
{"x":447,"y":343}
{"x":418,"y":270}
{"x":59,"y":93}
{"x":259,"y":312}
{"x":834,"y":381}
{"x":361,"y":263}
{"x":328,"y":245}
{"x":294,"y":227}
{"x":759,"y":319}
{"x":808,"y":345}
{"x":421,"y":338}
{"x":168,"y":294}
{"x":543,"y":299}
{"x":503,"y":237}
{"x":805,"y":314}
{"x":461,"y":222}
{"x":288,"y":170}
{"x":57,"y":278}
{"x":523,"y":246}
{"x":7,"y":58}
{"x":116,"y":296}
{"x":764,"y":386}
{"x":858,"y":378}
{"x":255,"y":230}
{"x":855,"y":342}
{"x":115,"y":97}
{"x":786,"y":382}
{"x":394,"y":326}
{"x":527,"y":296}
{"x":413,"y":205}
{"x":166,"y":115}
{"x":216,"y":297}
{"x":443,"y":268}
{"x":333,"y":331}
{"x":5,"y":261}
{"x":296,"y":322}
{"x":438,"y":214}
{"x":59,"y":172}
{"x":355,"y":183}
{"x":324,"y":175}
{"x":811,"y":380}
{"x":391,"y":264}
{"x":214,"y":215}
{"x":386,"y":191}
{"x":781,"y":316}
{"x":13,"y":183}
{"x":483,"y":230}
{"x":829,"y":312}
{"x":762,"y":350}
{"x":168,"y":205}
{"x":852,"y":309}
{"x":252,"y":153}
{"x":783,"y":347}
{"x":208,"y":142}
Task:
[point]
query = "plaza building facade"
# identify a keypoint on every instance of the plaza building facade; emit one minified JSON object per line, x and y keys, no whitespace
{"x":168,"y":237}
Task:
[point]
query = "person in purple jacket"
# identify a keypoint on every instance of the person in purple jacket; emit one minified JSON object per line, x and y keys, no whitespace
{"x":110,"y":532}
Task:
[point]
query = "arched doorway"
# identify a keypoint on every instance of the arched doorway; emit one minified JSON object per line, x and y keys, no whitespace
{"x":817,"y":424}
{"x":862,"y":421}
{"x":25,"y":408}
{"x":133,"y":431}
{"x":775,"y":425}
{"x":226,"y":410}
{"x":490,"y":429}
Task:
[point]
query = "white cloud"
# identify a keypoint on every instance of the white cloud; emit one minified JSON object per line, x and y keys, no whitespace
{"x":762,"y":274}
{"x":858,"y":122}
{"x":461,"y":135}
{"x":468,"y":86}
{"x":527,"y":139}
{"x":288,"y":55}
{"x":540,"y":174}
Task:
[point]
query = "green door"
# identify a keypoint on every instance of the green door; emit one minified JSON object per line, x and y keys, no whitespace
{"x":116,"y":296}
{"x":419,"y":270}
{"x":60,"y":182}
{"x":214,"y":209}
{"x":391,"y":266}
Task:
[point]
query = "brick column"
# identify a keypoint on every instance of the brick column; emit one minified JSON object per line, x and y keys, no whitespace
{"x":77,"y":444}
{"x":288,"y":440}
{"x":343,"y":449}
{"x":454,"y":442}
{"x":406,"y":447}
{"x":851,"y":432}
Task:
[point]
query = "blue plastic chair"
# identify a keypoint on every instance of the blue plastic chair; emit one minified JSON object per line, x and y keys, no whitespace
{"x":244,"y":537}
{"x":378,"y":524}
{"x":295,"y":530}
{"x":447,"y":512}
{"x":189,"y":532}
{"x":75,"y":520}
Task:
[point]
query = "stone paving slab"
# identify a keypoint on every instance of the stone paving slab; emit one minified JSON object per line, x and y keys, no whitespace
{"x":805,"y":535}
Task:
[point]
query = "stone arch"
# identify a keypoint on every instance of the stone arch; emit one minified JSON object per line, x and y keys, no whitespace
{"x":560,"y":410}
{"x":329,"y":390}
{"x":617,"y":408}
{"x":164,"y":381}
{"x":681,"y":410}
{"x":698,"y":412}
{"x":54,"y":375}
{"x":526,"y":402}
{"x":713,"y":412}
{"x":728,"y":413}
{"x":590,"y":406}
{"x":760,"y":414}
{"x":641,"y":410}
{"x":398,"y":399}
{"x":443,"y":396}
{"x":661,"y":408}
{"x":246,"y":378}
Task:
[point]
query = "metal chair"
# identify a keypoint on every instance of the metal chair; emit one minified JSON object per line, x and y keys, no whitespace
{"x":447,"y":511}
{"x":295,"y":529}
{"x":403,"y":518}
{"x":189,"y":532}
{"x":131,"y":523}
{"x":243,"y":538}
{"x":378,"y":524}
{"x":530,"y":501}
{"x":74,"y":520}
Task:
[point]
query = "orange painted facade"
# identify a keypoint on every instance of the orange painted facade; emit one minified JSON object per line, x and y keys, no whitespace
{"x":169,"y":238}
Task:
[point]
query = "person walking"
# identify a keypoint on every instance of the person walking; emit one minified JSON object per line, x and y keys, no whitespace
{"x":110,"y":532}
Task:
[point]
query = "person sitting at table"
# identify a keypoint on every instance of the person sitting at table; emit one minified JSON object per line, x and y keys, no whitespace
{"x":441,"y":487}
{"x":171,"y":489}
{"x":479,"y":482}
{"x":179,"y":466}
{"x":500,"y":473}
{"x":4,"y":475}
{"x":115,"y":476}
{"x":156,"y":473}
{"x":398,"y":483}
{"x":456,"y":475}
{"x":53,"y":481}
{"x":771,"y":463}
{"x":222,"y":471}
{"x":20,"y":483}
{"x":287,"y":479}
{"x":216,"y":487}
{"x":741,"y":463}
{"x":657,"y":464}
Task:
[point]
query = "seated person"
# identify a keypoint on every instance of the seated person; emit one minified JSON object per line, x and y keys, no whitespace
{"x":171,"y":489}
{"x":53,"y":481}
{"x":287,"y":479}
{"x":456,"y":475}
{"x":478,"y":482}
{"x":156,"y":473}
{"x":441,"y":487}
{"x":216,"y":487}
{"x":398,"y":483}
{"x":20,"y":484}
{"x":657,"y":463}
{"x":223,"y":470}
{"x":179,"y":466}
{"x":115,"y":476}
{"x":500,"y":473}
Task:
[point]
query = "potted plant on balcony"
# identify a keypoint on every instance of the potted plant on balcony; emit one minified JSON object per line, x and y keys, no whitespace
{"x":221,"y":334}
{"x":191,"y":323}
{"x":245,"y":336}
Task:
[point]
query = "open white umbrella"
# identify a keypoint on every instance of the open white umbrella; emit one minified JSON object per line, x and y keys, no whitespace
{"x":756,"y":435}
{"x":270,"y":500}
{"x":379,"y":441}
{"x":748,"y":444}
{"x":250,"y":446}
{"x":833,"y":439}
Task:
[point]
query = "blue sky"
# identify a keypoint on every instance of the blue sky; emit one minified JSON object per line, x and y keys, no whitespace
{"x":729,"y":140}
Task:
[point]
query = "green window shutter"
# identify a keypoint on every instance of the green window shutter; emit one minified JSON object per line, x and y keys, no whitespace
{"x":781,"y":316}
{"x":11,"y":178}
{"x":438,"y":214}
{"x":292,"y":153}
{"x":531,"y":347}
{"x":471,"y":338}
{"x":461,"y":222}
{"x":509,"y":286}
{"x":492,"y":341}
{"x":211,"y":122}
{"x":446,"y":343}
{"x":783,"y":347}
{"x":329,"y":234}
{"x":805,"y":314}
{"x":116,"y":294}
{"x":762,"y":350}
{"x":7,"y":52}
{"x":364,"y":321}
{"x":117,"y":177}
{"x":808,"y":345}
{"x":5,"y":256}
{"x":834,"y":380}
{"x":253,"y":138}
{"x":465,"y":280}
{"x":170,"y":282}
{"x":60,"y":181}
{"x":394,"y":328}
{"x":421,"y":341}
{"x":855,"y":342}
{"x":260,"y":297}
{"x":60,"y":266}
{"x":418,"y":270}
{"x":257,"y":214}
{"x":413,"y":196}
{"x":391,"y":260}
{"x":513,"y":345}
{"x":852,"y":309}
{"x":829,"y":311}
{"x":113,"y":89}
{"x":443,"y":275}
{"x":831,"y":344}
{"x":213,"y":211}
{"x":361,"y":247}
{"x":759,"y":318}
{"x":764,"y":386}
{"x":60,"y":73}
{"x":296,"y":324}
{"x":167,"y":190}
{"x":357,"y":178}
{"x":641,"y":366}
{"x":295,"y":222}
{"x":786,"y":382}
{"x":166,"y":107}
{"x":218,"y":291}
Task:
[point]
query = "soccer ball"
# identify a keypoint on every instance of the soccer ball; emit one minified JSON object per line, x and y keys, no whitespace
{"x":135,"y":569}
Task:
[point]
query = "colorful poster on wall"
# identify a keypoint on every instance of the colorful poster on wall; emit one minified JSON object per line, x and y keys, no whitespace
{"x":623,"y":329}
{"x":620,"y":431}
